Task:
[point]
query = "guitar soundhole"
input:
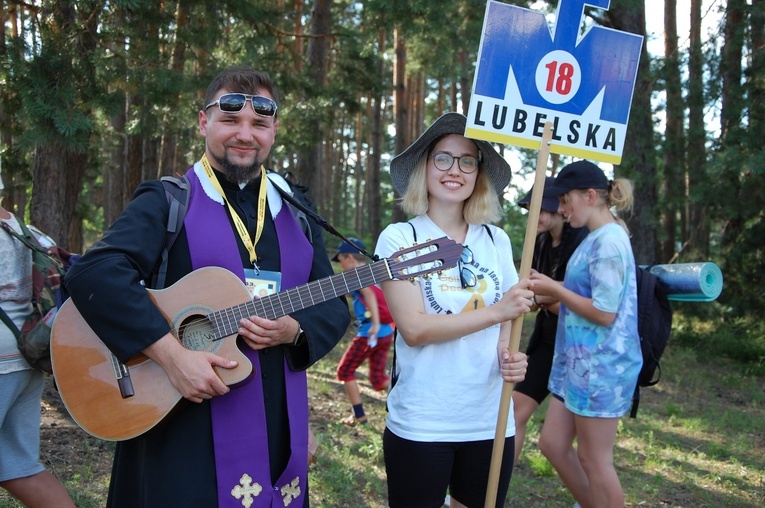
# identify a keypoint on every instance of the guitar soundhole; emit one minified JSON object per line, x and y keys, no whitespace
{"x":197,"y":334}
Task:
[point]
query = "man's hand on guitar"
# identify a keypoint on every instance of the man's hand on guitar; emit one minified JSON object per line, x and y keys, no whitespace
{"x":260,"y":333}
{"x":190,"y":372}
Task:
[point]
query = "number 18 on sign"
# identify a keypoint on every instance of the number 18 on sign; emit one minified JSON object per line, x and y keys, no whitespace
{"x":528,"y":74}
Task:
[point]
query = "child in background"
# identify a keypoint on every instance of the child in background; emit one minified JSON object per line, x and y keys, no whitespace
{"x":372,"y":341}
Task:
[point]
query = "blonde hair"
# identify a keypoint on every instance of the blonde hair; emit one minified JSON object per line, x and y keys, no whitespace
{"x":481,"y":207}
{"x":618,"y":197}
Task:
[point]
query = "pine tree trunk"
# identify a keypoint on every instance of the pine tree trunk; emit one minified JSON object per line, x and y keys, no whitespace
{"x":373,"y":174}
{"x":400,"y":105}
{"x":674,"y":142}
{"x":638,"y":160}
{"x":310,"y":163}
{"x":731,"y":113}
{"x":697,"y":237}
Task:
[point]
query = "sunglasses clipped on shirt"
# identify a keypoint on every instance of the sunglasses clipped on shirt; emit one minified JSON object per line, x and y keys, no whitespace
{"x":467,"y":277}
{"x":234,"y":103}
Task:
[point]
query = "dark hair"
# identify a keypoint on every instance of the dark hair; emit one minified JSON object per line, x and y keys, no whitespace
{"x":242,"y":80}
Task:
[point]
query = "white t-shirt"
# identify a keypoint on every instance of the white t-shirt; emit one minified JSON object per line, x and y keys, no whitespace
{"x":451,"y":391}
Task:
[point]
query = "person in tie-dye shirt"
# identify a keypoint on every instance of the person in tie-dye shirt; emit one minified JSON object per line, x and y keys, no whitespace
{"x":597,"y":348}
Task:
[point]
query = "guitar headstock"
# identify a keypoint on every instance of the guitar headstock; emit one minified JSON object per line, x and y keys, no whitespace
{"x":425,"y":258}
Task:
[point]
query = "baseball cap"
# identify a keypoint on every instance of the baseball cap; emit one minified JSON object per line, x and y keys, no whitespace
{"x":579,"y":175}
{"x":347,"y":248}
{"x":549,"y":200}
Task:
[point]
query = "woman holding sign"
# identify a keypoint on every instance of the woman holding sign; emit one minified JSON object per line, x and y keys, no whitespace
{"x":451,"y":352}
{"x":597,"y":349}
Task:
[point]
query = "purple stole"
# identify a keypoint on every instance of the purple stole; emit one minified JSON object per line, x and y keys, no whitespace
{"x":239,"y":417}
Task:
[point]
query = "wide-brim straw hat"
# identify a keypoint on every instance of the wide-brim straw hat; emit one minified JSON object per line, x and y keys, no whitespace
{"x":403,"y":164}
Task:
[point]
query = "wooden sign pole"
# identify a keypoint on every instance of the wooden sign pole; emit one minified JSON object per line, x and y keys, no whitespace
{"x":515,"y":334}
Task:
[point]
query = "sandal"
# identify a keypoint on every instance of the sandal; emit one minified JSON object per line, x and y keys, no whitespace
{"x":352,"y":421}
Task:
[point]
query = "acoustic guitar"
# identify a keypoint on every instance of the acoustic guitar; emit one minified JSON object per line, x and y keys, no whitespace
{"x":115,"y":401}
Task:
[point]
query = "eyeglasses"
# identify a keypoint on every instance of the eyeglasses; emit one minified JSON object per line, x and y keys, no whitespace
{"x":234,"y":103}
{"x":467,"y":277}
{"x":444,"y":162}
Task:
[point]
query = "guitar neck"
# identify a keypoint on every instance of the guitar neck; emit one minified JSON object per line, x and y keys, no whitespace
{"x":226,"y":321}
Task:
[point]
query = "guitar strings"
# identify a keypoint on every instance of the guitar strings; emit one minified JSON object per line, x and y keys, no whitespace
{"x":225,"y":322}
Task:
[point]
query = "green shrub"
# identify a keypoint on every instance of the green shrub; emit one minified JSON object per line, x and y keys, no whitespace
{"x":741,"y":339}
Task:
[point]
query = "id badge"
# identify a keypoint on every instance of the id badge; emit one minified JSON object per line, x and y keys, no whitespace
{"x":262,"y":283}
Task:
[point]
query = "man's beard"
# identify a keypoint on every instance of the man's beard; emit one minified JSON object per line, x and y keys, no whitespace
{"x":235,"y":173}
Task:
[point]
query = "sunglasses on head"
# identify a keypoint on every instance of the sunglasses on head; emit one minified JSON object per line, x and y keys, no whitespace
{"x":234,"y":103}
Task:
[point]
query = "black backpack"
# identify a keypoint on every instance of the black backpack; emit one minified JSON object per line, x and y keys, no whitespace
{"x":654,"y":327}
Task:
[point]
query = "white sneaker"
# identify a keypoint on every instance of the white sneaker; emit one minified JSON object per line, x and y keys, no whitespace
{"x":447,"y":500}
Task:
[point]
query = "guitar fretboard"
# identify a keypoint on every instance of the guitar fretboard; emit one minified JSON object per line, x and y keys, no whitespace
{"x":226,"y":321}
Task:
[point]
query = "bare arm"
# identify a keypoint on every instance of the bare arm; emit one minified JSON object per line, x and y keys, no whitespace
{"x":370,"y":301}
{"x":579,"y":304}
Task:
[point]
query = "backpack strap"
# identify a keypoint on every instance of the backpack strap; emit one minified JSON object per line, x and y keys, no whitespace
{"x":393,"y":373}
{"x":26,"y":237}
{"x":177,"y":192}
{"x":414,"y":231}
{"x":488,"y":230}
{"x":485,"y":226}
{"x":5,"y":318}
{"x":635,"y":402}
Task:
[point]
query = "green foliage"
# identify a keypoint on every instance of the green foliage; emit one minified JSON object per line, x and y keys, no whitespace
{"x":76,"y":68}
{"x":739,"y":338}
{"x":540,"y":465}
{"x":52,"y":102}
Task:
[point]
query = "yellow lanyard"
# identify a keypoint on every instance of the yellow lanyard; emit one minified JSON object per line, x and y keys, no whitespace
{"x":238,"y":223}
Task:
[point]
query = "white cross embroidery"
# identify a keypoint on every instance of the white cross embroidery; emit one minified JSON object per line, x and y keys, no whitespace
{"x":291,"y":491}
{"x":246,"y":491}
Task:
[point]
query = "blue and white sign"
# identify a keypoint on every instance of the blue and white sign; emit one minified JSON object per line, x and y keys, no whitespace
{"x":528,"y":74}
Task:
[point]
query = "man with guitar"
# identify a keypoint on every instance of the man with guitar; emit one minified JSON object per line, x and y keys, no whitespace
{"x":227,"y":446}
